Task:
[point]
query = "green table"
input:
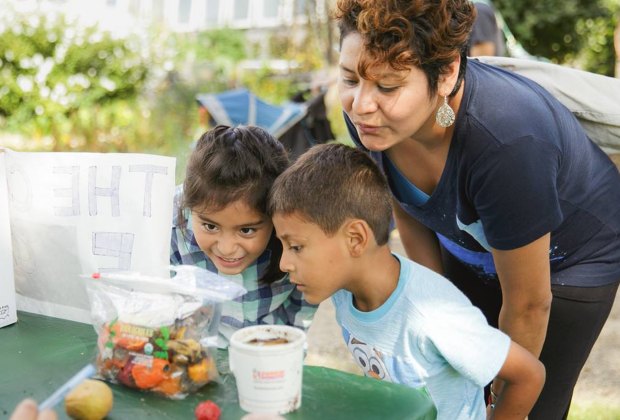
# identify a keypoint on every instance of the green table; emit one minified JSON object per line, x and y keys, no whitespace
{"x":38,"y":354}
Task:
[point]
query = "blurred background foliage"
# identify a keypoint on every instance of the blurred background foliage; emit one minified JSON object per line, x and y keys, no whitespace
{"x":73,"y":88}
{"x":578,"y":33}
{"x":64,"y":87}
{"x":59,"y":80}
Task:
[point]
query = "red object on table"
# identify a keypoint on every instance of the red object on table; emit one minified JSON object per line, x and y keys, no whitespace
{"x":207,"y":410}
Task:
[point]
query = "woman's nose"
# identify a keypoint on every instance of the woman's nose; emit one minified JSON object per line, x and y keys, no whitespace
{"x":363,"y":101}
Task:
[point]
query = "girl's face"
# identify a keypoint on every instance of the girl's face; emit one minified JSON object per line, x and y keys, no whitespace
{"x":386,"y":111}
{"x":233,"y":237}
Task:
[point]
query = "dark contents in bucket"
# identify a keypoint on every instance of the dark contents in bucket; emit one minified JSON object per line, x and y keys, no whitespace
{"x":268,"y":341}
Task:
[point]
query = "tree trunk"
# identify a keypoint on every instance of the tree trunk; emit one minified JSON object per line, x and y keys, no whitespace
{"x":617,"y":47}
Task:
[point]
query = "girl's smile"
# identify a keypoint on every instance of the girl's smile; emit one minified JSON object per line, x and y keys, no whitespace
{"x":230,"y":263}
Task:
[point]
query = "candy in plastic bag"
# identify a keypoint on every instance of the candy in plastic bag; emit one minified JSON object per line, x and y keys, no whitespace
{"x":158,"y":334}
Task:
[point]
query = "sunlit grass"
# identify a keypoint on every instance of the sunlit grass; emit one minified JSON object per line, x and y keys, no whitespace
{"x":594,"y":411}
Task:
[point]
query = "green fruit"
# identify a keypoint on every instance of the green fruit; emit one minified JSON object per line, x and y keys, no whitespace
{"x":90,"y":400}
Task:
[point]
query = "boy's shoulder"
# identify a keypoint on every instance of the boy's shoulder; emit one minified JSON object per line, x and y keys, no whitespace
{"x":427,"y":290}
{"x":420,"y":275}
{"x":420,"y":291}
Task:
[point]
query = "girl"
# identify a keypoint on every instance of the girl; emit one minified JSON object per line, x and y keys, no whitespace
{"x":220,"y":224}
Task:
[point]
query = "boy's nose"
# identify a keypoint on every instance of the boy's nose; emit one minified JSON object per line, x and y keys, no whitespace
{"x":285,"y":265}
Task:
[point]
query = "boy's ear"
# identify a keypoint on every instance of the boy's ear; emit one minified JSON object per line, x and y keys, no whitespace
{"x":358,"y":235}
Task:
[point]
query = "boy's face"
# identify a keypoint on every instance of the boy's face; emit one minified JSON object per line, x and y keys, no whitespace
{"x":315,"y":262}
{"x":233,"y":237}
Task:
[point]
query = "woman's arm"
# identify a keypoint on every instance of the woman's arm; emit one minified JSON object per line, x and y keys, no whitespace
{"x":525,"y":278}
{"x":420,"y":243}
{"x":523,"y":377}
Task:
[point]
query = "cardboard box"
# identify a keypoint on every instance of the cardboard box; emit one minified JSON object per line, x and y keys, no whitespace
{"x":8,"y":312}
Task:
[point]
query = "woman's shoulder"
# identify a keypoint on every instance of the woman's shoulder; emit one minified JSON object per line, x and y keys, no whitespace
{"x":490,"y":90}
{"x":501,"y":106}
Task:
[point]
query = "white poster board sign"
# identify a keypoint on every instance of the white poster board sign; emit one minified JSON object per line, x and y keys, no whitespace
{"x":79,"y":213}
{"x":8,"y":314}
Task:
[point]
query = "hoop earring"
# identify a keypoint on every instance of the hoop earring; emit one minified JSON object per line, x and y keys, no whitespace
{"x":445,"y":114}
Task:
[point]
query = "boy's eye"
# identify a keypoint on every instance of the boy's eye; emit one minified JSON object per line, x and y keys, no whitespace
{"x":349,"y":82}
{"x":247,"y":231}
{"x":209,"y":227}
{"x":295,"y":248}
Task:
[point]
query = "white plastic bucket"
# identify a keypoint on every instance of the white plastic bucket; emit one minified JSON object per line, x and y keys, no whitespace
{"x":268,"y":377}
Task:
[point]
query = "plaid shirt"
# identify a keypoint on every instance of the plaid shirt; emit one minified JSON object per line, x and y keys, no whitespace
{"x":276,"y":303}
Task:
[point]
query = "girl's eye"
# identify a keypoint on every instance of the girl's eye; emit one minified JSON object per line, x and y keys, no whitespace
{"x":247,"y":231}
{"x":209,"y":227}
{"x":295,"y":248}
{"x":349,"y":82}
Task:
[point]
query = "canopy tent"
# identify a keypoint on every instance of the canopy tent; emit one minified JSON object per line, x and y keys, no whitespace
{"x":298,"y":125}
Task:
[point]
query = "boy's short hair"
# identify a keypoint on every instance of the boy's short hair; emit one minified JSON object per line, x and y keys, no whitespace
{"x":331,"y":183}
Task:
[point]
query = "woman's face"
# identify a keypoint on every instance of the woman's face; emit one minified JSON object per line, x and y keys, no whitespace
{"x":386,"y":111}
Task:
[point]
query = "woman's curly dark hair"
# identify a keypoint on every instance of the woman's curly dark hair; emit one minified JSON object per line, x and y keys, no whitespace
{"x":427,"y":34}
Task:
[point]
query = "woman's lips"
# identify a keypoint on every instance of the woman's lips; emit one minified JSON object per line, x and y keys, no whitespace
{"x":367,"y":129}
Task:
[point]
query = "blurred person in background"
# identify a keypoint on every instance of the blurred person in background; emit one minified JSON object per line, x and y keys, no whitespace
{"x":486,"y":36}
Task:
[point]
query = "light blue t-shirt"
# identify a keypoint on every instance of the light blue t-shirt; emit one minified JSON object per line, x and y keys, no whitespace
{"x":426,"y":334}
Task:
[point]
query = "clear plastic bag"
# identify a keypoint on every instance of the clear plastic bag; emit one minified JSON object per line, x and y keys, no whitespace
{"x":158,"y":334}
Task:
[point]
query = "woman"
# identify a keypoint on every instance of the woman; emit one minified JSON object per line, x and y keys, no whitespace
{"x":495,"y":183}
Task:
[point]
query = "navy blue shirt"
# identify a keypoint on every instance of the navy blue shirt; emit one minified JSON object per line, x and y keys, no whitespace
{"x":520,"y":166}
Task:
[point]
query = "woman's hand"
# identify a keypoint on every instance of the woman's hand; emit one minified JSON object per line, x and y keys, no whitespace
{"x":525,"y":278}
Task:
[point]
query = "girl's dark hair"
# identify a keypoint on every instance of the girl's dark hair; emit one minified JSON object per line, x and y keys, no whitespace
{"x":231,"y":164}
{"x":428,"y":34}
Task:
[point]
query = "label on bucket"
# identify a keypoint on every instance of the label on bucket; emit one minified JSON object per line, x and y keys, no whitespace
{"x":262,"y":376}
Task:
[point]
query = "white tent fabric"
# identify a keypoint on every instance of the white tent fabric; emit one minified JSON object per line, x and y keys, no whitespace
{"x":593,"y":98}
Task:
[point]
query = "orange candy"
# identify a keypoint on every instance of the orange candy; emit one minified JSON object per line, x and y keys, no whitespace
{"x":148,"y":377}
{"x":170,"y":386}
{"x":200,"y":372}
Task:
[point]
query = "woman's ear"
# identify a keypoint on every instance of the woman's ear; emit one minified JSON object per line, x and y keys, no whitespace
{"x":357,"y":234}
{"x":448,"y":80}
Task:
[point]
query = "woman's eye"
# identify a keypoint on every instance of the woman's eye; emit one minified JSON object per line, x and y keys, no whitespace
{"x":209,"y":227}
{"x":386,"y":89}
{"x":247,"y":231}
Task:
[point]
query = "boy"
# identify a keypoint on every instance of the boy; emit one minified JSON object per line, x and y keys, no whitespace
{"x":401,"y":321}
